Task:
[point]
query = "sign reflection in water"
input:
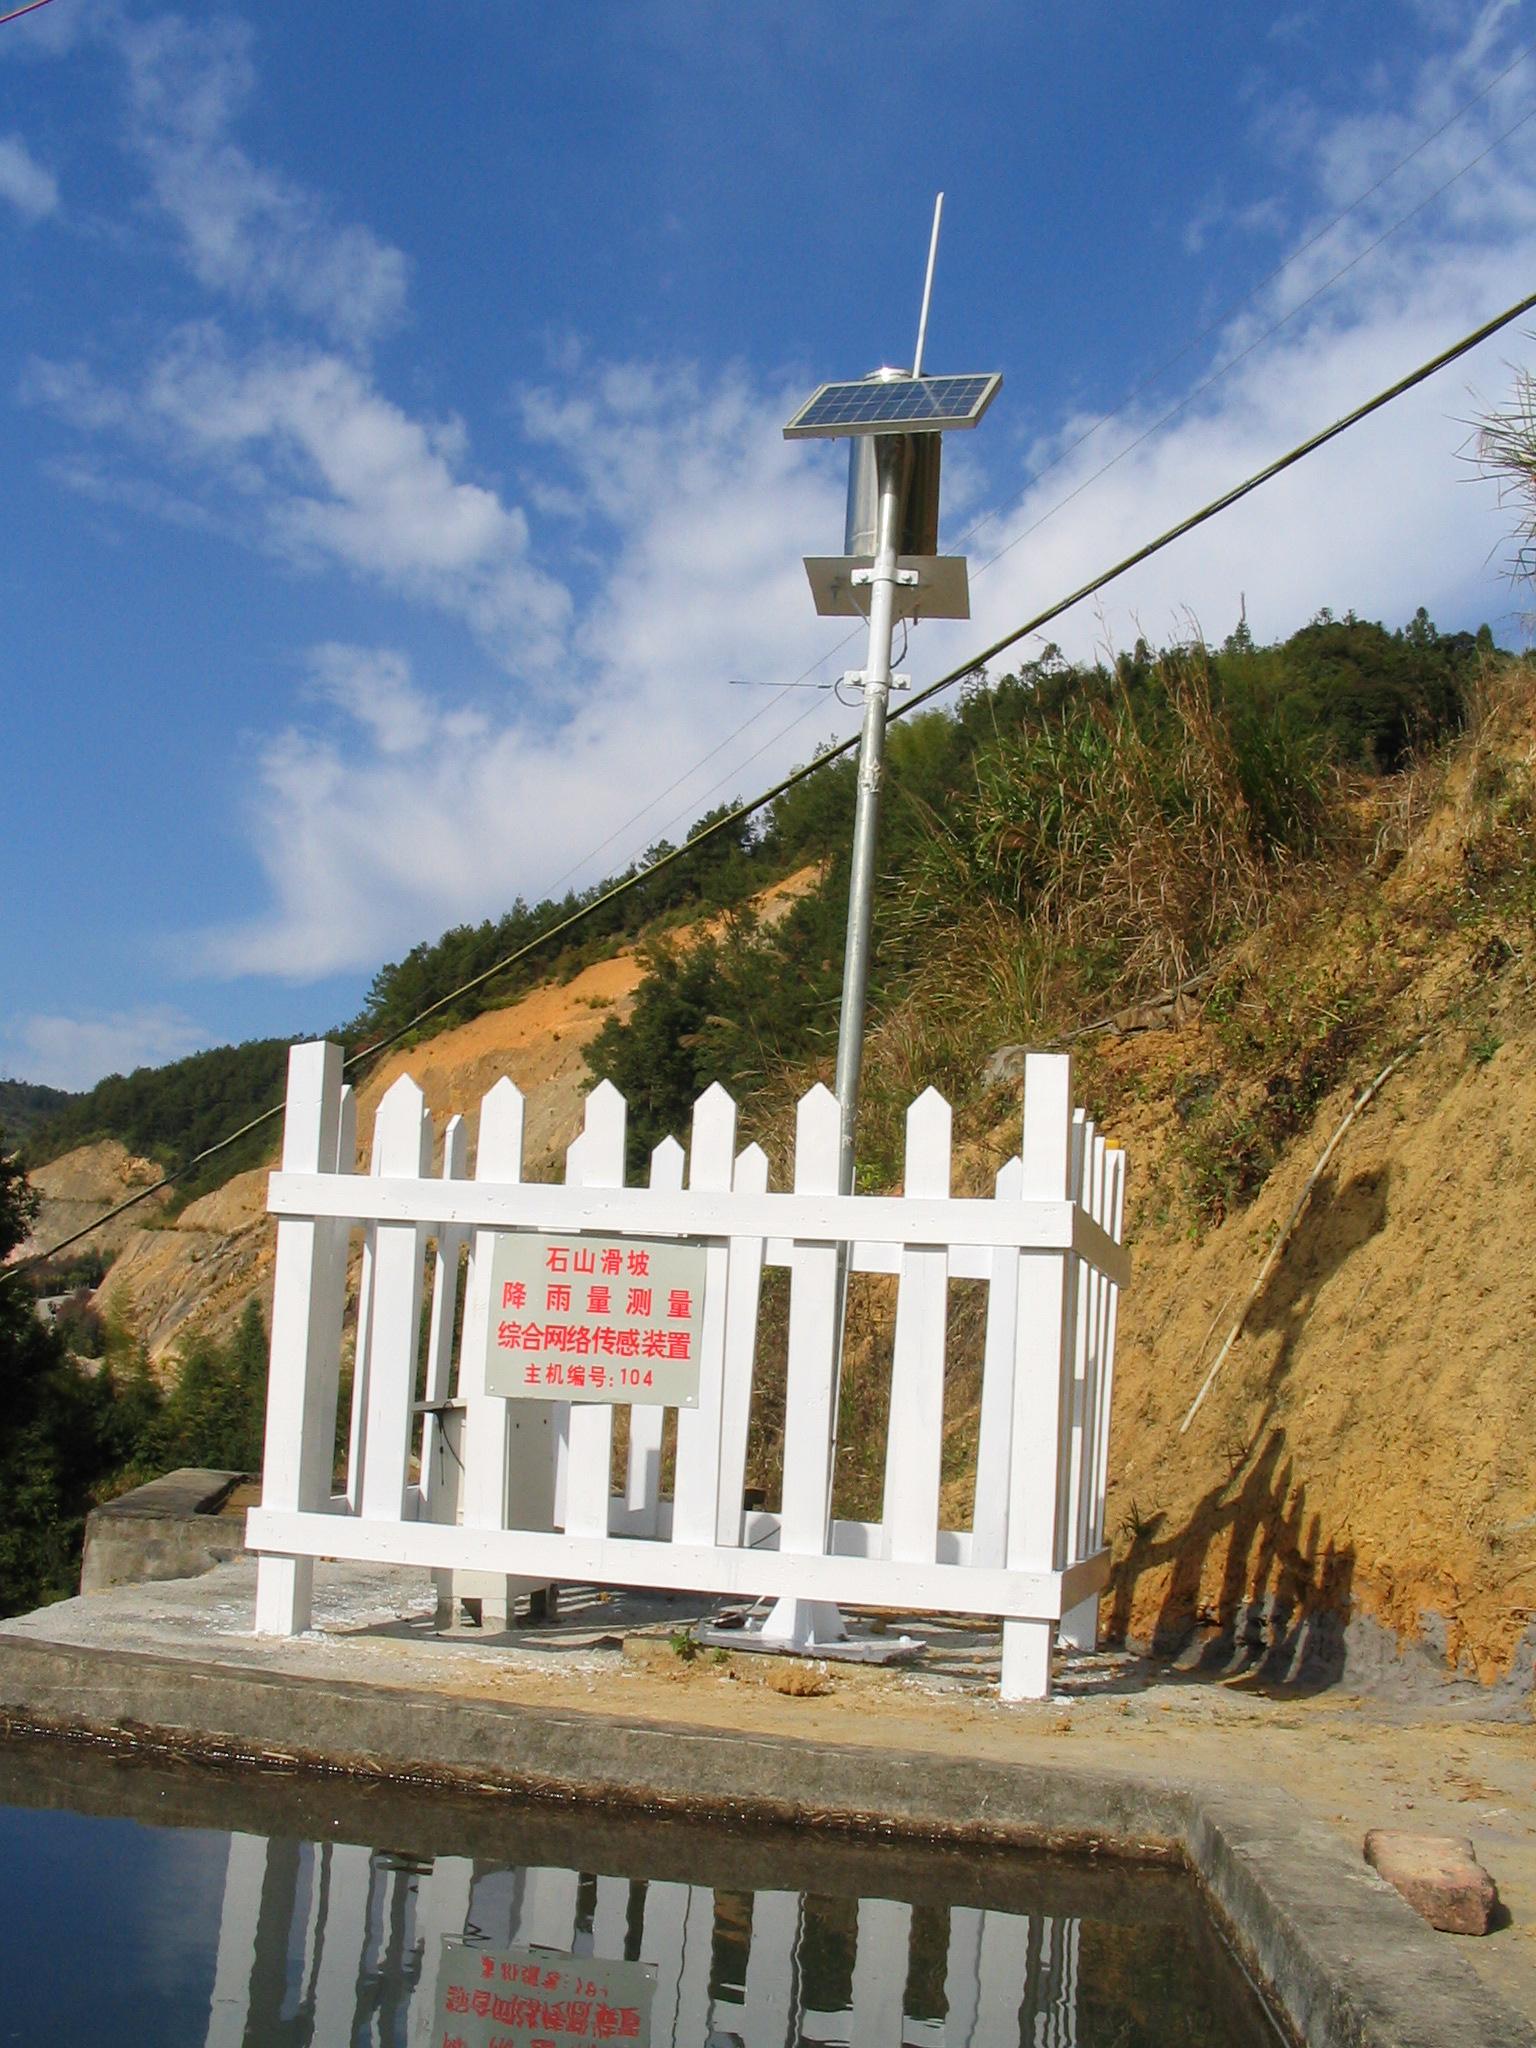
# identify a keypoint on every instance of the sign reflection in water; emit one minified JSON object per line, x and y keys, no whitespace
{"x":334,"y":1944}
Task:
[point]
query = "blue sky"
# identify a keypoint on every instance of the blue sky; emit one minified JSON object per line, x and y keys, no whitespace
{"x":391,"y":467}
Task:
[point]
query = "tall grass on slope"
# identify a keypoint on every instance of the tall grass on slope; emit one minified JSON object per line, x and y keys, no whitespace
{"x":1111,"y":848}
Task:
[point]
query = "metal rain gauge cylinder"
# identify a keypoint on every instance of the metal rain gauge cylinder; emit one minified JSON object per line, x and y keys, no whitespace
{"x":919,"y":534}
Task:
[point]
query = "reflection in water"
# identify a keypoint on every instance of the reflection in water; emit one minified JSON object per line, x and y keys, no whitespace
{"x":328,"y":1944}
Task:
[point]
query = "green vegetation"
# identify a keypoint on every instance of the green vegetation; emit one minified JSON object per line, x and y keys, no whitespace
{"x":73,"y":1432}
{"x":26,"y":1104}
{"x":716,"y":877}
{"x":172,"y":1113}
{"x":215,"y":1411}
{"x":1067,"y":840}
{"x":58,"y":1432}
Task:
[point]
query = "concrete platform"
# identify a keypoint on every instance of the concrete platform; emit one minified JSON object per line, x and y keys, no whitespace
{"x":1264,"y":1796}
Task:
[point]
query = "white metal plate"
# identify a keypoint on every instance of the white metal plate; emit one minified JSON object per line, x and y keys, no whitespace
{"x":942,"y":590}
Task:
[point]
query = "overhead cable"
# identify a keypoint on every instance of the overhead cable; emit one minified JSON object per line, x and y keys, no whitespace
{"x":740,"y":812}
{"x":1164,"y":419}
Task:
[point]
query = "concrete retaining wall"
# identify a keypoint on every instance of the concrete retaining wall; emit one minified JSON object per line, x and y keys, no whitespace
{"x":169,"y":1529}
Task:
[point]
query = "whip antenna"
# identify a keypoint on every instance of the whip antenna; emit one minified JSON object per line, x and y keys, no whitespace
{"x":933,"y":257}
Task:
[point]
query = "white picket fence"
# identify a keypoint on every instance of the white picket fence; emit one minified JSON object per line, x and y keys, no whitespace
{"x":535,"y":1502}
{"x":331,"y":1943}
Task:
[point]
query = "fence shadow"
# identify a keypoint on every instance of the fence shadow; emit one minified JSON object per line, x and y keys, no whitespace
{"x":1283,"y":1601}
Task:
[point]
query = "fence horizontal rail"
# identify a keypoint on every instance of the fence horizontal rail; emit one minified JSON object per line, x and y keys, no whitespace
{"x":683,"y":1567}
{"x":703,"y":1213}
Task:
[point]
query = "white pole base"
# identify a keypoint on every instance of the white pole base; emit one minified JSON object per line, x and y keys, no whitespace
{"x":1080,"y":1625}
{"x":803,"y":1624}
{"x":284,"y":1595}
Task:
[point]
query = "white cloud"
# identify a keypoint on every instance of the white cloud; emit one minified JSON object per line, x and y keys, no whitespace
{"x":1387,"y":518}
{"x":331,"y":470}
{"x":373,"y":686}
{"x":246,"y":229}
{"x":28,"y":185}
{"x":377,"y":835}
{"x":683,"y":516}
{"x":75,"y":1052}
{"x":89,"y":478}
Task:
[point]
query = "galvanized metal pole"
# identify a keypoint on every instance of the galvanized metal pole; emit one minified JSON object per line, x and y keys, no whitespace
{"x":796,"y":1624}
{"x":892,"y":457}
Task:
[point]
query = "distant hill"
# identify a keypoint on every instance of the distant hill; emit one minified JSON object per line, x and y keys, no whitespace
{"x":26,"y":1104}
{"x":170,"y":1113}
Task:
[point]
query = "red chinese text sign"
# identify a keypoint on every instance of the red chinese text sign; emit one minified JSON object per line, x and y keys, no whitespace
{"x":523,"y":1998}
{"x":615,"y":1319}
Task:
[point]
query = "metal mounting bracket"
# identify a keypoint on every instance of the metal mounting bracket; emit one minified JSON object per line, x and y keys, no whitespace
{"x":907,"y":578}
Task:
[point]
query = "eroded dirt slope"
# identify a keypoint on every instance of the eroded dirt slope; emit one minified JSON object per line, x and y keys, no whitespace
{"x":1365,"y":1449}
{"x":1366,"y":1445}
{"x":81,"y":1185}
{"x":195,"y":1274}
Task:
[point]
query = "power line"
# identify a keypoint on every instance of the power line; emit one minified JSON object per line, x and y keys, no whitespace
{"x":1246,"y":298}
{"x":17,"y":12}
{"x":1248,"y":348}
{"x":1080,"y":440}
{"x":1213,"y":509}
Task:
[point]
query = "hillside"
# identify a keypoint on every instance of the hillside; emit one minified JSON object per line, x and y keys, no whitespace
{"x":1366,"y":1444}
{"x":191,"y":1275}
{"x":1235,"y":928}
{"x":79,"y":1185}
{"x":196,"y":1274}
{"x":26,"y":1105}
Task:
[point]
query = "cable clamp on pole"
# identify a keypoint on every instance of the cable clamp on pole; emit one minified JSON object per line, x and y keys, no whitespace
{"x":907,"y":578}
{"x":856,"y":678}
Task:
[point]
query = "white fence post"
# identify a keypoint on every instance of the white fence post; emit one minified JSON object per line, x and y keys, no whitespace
{"x":1080,"y":1625}
{"x":308,"y":1294}
{"x":1082,"y":1315}
{"x":1042,"y":1388}
{"x":647,"y":1421}
{"x":488,"y":1423}
{"x":589,"y":1457}
{"x":994,"y":1450}
{"x":915,"y":1436}
{"x":696,"y":1489}
{"x":402,"y":1149}
{"x":445,"y":1302}
{"x":744,"y":1279}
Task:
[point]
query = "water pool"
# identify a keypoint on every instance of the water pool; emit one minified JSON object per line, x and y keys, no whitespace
{"x":171,"y":1906}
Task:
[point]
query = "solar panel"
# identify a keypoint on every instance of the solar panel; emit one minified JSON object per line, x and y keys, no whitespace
{"x":905,"y":405}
